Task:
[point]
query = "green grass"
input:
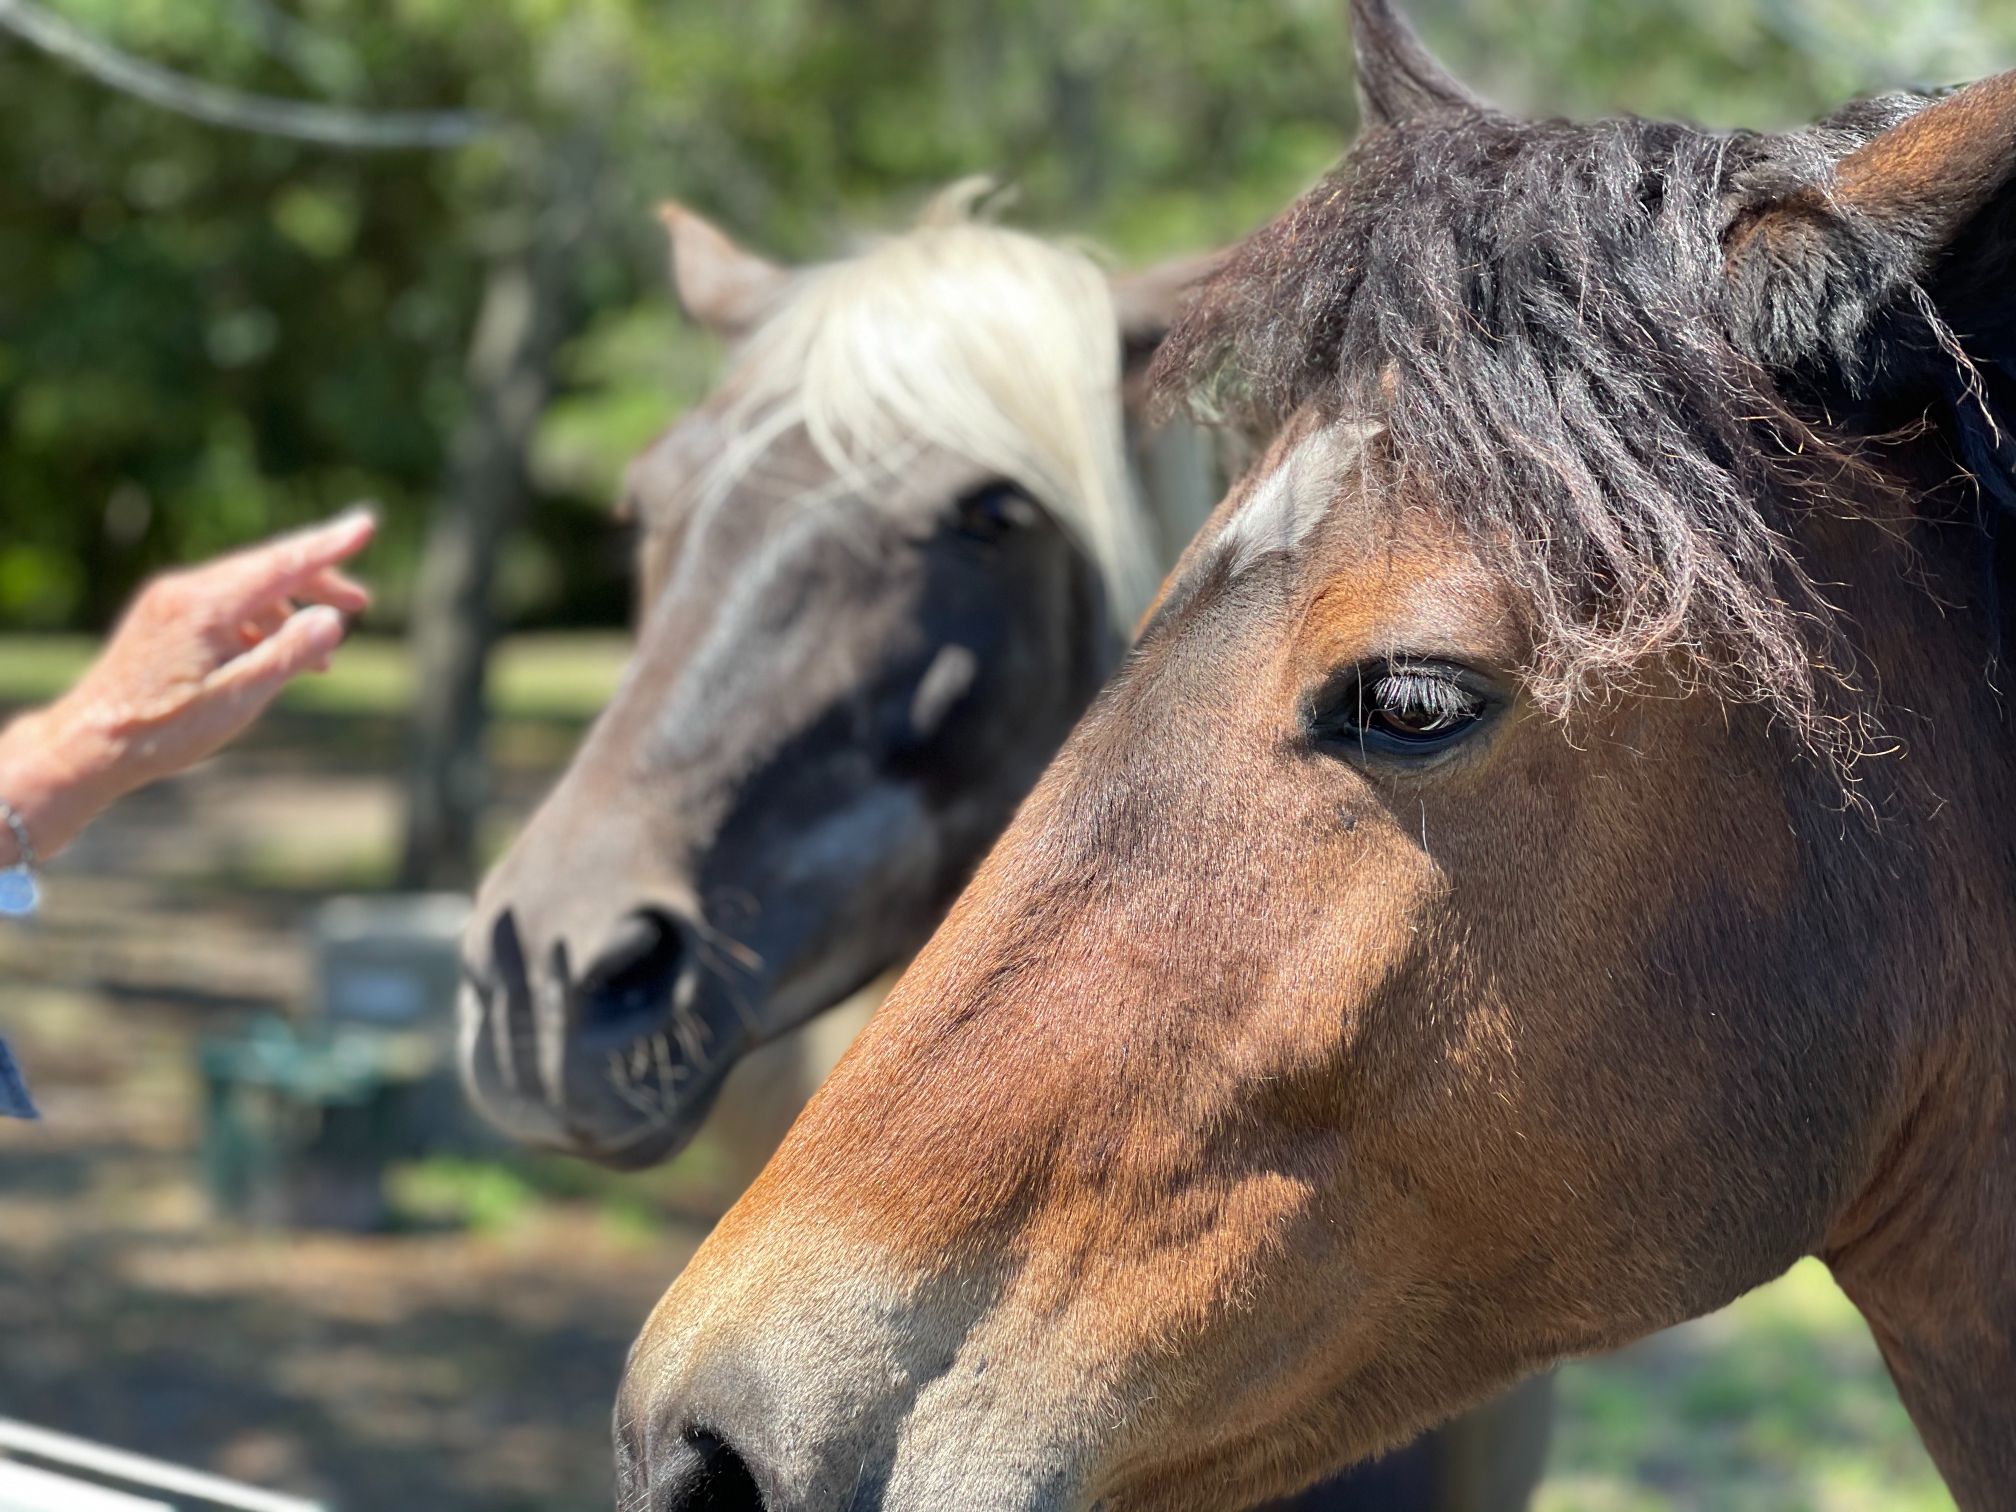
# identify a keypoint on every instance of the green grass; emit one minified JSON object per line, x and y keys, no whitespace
{"x":35,"y":668}
{"x":497,"y":1194}
{"x":536,"y":677}
{"x":1779,"y":1403}
{"x":284,"y":862}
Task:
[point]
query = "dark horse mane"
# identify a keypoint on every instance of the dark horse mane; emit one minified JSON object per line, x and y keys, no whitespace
{"x":1547,"y":320}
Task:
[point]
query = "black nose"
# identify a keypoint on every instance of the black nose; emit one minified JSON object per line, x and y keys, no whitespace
{"x":702,"y":1473}
{"x":626,"y":990}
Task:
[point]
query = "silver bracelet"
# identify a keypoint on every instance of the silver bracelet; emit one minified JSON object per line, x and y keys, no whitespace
{"x":19,"y":889}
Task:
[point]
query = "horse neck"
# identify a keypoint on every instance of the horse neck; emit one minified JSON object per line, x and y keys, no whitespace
{"x":1934,"y":1280}
{"x":1927,"y":1247}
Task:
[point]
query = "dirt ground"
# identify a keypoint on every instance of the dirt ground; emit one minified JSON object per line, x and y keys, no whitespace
{"x":442,"y":1369}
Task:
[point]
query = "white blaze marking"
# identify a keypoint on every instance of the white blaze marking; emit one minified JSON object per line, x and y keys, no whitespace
{"x":1291,"y":501}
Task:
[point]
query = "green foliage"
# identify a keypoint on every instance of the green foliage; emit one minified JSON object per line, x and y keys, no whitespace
{"x":497,"y":1193}
{"x":1778,"y":1403}
{"x":206,"y":335}
{"x":487,"y":1196}
{"x":561,"y":679}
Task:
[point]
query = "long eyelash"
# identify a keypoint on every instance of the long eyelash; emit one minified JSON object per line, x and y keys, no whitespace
{"x":1444,"y":702}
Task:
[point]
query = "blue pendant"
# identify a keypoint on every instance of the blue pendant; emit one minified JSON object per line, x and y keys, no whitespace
{"x":18,"y":893}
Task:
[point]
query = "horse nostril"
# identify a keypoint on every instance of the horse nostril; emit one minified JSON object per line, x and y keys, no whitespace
{"x":626,"y":991}
{"x":711,"y":1477}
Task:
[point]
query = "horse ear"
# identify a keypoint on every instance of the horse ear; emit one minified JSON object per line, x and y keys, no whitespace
{"x":721,"y":285}
{"x":1149,"y":301}
{"x":1924,"y":180}
{"x":1398,"y":78}
{"x":1925,"y":203}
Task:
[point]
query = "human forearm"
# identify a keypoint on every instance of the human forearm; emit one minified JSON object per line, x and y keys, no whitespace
{"x":56,"y":773}
{"x":195,"y":660}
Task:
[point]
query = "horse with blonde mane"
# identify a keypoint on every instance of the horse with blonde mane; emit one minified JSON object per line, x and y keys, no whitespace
{"x":882,"y":569}
{"x":1489,"y":917}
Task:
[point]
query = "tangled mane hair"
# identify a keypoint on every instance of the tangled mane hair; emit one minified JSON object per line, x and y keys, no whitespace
{"x":1546,"y":321}
{"x":958,"y":333}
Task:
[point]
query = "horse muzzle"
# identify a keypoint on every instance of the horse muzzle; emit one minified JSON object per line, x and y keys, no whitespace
{"x":617,"y":1059}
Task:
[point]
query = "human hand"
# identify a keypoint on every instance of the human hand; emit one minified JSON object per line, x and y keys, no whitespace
{"x":198,"y":657}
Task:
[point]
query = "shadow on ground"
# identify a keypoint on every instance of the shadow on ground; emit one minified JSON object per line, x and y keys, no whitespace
{"x":444,"y":1369}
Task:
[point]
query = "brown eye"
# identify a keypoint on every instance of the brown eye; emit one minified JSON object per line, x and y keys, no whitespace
{"x":1411,"y":706}
{"x":1403,"y":709}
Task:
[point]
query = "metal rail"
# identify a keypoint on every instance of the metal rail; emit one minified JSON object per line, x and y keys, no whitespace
{"x":23,"y":1488}
{"x":152,"y":1476}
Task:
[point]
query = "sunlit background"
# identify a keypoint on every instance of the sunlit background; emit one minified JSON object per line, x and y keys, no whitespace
{"x":207,"y":334}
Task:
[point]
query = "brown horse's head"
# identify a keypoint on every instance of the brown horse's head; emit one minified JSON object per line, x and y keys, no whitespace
{"x":1473,"y":928}
{"x":881,"y":571}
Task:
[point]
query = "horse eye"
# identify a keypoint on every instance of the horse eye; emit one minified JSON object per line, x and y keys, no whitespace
{"x":1403,"y":709}
{"x":993,"y":510}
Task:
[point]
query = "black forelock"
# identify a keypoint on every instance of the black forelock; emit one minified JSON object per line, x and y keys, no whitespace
{"x":1542,"y":317}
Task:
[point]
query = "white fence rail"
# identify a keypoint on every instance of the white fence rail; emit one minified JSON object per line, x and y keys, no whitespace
{"x":119,"y":1482}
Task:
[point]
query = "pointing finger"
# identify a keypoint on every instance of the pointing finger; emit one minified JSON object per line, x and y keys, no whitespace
{"x":336,"y":589}
{"x":241,"y":584}
{"x":304,"y":643}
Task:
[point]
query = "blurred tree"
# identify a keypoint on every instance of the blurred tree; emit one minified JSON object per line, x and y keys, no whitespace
{"x":525,"y":314}
{"x":203,"y":334}
{"x":528,"y":310}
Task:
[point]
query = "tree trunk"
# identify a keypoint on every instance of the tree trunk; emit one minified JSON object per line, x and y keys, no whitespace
{"x":527,"y":312}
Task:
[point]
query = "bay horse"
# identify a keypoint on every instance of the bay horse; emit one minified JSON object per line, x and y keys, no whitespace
{"x":1544,"y":867}
{"x":850,"y":668}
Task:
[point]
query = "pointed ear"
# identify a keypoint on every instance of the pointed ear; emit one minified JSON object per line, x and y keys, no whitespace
{"x":1926,"y":203}
{"x":1148,"y":301}
{"x":723,"y":287}
{"x":1398,"y":78}
{"x":1924,"y":180}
